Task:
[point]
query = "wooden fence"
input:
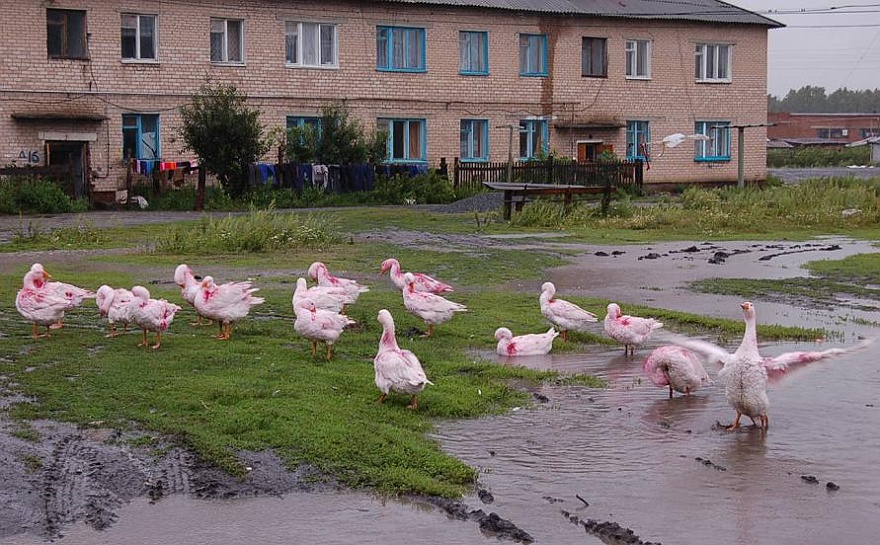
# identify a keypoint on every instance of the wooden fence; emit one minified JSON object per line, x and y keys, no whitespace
{"x":622,"y":174}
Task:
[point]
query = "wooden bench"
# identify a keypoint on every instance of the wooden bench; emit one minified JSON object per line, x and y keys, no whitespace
{"x":515,"y":194}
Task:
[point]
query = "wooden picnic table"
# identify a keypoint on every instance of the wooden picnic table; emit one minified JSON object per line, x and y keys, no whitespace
{"x":515,"y":194}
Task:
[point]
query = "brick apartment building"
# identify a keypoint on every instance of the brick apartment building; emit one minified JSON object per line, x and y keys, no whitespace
{"x":822,"y":129}
{"x":93,"y":82}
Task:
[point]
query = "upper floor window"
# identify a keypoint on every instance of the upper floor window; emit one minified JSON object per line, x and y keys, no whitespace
{"x":534,"y":136}
{"x":140,"y":136}
{"x":533,"y":55}
{"x":66,"y":34}
{"x":832,"y":133}
{"x":310,"y":44}
{"x":227,"y":41}
{"x":474,"y":140}
{"x":593,"y":57}
{"x":474,"y":53}
{"x":638,"y":59}
{"x":400,"y":49}
{"x":717,"y":147}
{"x":712,"y":62}
{"x":637,"y":137}
{"x":406,"y":139}
{"x":138,"y":37}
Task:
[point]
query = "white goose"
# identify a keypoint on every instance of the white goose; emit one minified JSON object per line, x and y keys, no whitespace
{"x":189,"y":286}
{"x":318,"y":271}
{"x":319,"y":325}
{"x":630,"y":331}
{"x":563,"y":314}
{"x":745,"y":372}
{"x":396,"y":369}
{"x":532,"y":344}
{"x":432,"y":308}
{"x":113,"y":304}
{"x":39,"y":304}
{"x":324,"y":297}
{"x":676,"y":367}
{"x":150,"y":314}
{"x":423,"y":282}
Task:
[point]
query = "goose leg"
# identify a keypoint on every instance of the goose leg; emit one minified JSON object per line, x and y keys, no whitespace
{"x":735,"y":424}
{"x":670,"y":392}
{"x":329,"y":351}
{"x":144,"y":341}
{"x":35,"y":331}
{"x":414,"y":404}
{"x":565,"y":335}
{"x":158,"y":340}
{"x":314,"y":348}
{"x":382,"y":398}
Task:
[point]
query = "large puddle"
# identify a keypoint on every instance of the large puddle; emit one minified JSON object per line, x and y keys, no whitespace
{"x":658,"y":466}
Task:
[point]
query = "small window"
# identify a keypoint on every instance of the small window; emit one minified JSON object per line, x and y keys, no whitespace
{"x":138,"y":37}
{"x":294,"y":121}
{"x":533,"y":138}
{"x":832,"y":133}
{"x":869,"y":132}
{"x":533,"y":55}
{"x":227,"y":41}
{"x":593,"y":59}
{"x":717,"y":147}
{"x":406,"y":139}
{"x":637,"y":137}
{"x":400,"y":49}
{"x":310,"y":44}
{"x":474,"y":53}
{"x":712,"y":62}
{"x":638,"y":59}
{"x":66,"y":34}
{"x":140,"y":136}
{"x":474,"y":140}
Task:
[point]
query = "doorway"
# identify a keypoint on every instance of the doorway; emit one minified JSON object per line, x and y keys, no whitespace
{"x":589,"y":150}
{"x":71,"y":158}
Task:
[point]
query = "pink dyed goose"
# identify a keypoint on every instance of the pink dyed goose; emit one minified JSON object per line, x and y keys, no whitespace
{"x":533,"y":344}
{"x":421,"y":282}
{"x":189,"y":286}
{"x":431,"y":308}
{"x":73,"y":294}
{"x":745,"y":373}
{"x":150,"y":314}
{"x":676,"y":367}
{"x":113,"y":305}
{"x":39,"y":304}
{"x":631,"y":331}
{"x":563,"y":314}
{"x":226,"y":303}
{"x":397,"y":370}
{"x":319,"y":325}
{"x":319,"y":272}
{"x":324,"y":297}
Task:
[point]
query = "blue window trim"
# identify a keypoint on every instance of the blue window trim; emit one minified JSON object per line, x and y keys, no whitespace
{"x":530,"y":126}
{"x":543,"y":73}
{"x":485,"y":38}
{"x":140,"y":137}
{"x":390,"y":49}
{"x":703,"y":127}
{"x":485,"y":157}
{"x":632,"y":129}
{"x":300,"y":120}
{"x":423,"y":137}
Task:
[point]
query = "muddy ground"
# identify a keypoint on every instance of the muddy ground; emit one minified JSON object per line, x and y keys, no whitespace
{"x":86,"y":475}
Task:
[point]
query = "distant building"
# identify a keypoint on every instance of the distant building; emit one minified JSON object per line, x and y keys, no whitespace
{"x":804,"y":129}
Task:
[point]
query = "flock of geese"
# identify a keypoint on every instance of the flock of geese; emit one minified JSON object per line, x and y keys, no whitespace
{"x":319,"y":309}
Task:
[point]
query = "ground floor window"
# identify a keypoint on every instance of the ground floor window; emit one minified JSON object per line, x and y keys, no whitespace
{"x":407,"y":139}
{"x":474,"y":140}
{"x":534,"y":138}
{"x":140,"y":136}
{"x":637,"y":137}
{"x":717,"y":147}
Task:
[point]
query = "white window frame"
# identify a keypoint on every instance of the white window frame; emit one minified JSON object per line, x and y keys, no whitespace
{"x":138,"y":55}
{"x":299,"y":30}
{"x":638,"y":50}
{"x":225,"y":41}
{"x":713,"y":63}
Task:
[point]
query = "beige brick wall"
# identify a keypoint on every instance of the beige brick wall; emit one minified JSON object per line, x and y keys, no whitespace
{"x":671,"y":101}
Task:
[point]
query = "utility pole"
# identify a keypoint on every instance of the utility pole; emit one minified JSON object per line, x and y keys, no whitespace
{"x":741,"y":151}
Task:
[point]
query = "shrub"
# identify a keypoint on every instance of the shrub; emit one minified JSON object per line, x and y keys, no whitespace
{"x":808,"y":156}
{"x":430,"y":188}
{"x":33,"y":195}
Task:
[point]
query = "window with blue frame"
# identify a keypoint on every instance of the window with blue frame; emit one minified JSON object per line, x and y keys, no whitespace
{"x":534,"y":136}
{"x":400,"y":49}
{"x":637,"y":137}
{"x":474,"y":53}
{"x":474,"y":140}
{"x":717,"y":148}
{"x":533,"y":55}
{"x":140,"y":136}
{"x":407,"y":139}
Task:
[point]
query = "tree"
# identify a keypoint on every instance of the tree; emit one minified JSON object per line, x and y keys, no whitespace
{"x":338,"y":140}
{"x":225,"y":134}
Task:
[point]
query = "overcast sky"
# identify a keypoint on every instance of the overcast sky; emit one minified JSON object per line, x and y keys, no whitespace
{"x":824,"y":43}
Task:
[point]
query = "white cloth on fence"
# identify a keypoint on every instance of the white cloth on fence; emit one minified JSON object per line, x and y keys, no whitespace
{"x":320,"y":176}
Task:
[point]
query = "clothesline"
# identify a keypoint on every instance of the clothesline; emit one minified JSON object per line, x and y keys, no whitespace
{"x":147,"y":166}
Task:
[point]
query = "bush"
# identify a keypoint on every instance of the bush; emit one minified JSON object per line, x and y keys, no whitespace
{"x":31,"y":195}
{"x":430,"y":188}
{"x":807,"y":156}
{"x":184,"y":198}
